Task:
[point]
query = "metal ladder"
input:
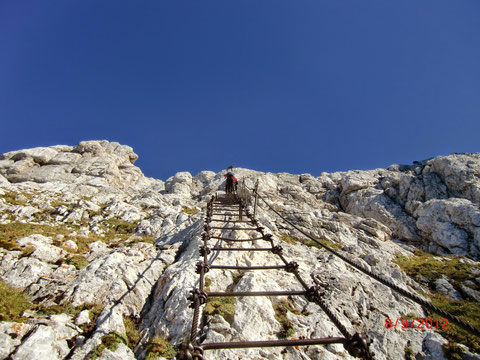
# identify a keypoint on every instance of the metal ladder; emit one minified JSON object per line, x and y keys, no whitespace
{"x":232,"y":206}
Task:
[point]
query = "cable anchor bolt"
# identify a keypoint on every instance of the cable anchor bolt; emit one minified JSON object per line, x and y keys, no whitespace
{"x":291,"y":267}
{"x":277,"y":250}
{"x":204,"y":250}
{"x":200,"y":265}
{"x":312,"y":294}
{"x":358,"y":347}
{"x":197,"y":296}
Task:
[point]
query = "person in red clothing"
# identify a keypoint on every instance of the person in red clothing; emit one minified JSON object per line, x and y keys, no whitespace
{"x":231,"y":184}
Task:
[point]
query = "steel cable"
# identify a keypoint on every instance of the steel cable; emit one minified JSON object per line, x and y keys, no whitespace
{"x":456,"y":320}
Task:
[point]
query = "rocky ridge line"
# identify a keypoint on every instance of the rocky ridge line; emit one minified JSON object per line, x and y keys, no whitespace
{"x":105,"y":234}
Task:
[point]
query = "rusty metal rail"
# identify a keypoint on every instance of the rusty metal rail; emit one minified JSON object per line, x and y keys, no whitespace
{"x":232,"y":221}
{"x":206,"y":268}
{"x":230,"y":239}
{"x":239,"y":249}
{"x":191,"y":350}
{"x":233,"y":214}
{"x":232,"y":228}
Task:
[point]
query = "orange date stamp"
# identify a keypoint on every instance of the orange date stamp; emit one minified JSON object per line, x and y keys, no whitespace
{"x":419,"y":323}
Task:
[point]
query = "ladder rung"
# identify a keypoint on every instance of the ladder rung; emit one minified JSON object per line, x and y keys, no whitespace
{"x":232,"y":267}
{"x":228,"y":239}
{"x":231,"y":228}
{"x":256,"y":293}
{"x":233,"y":221}
{"x":234,"y":214}
{"x":272,"y":343}
{"x":240,"y":249}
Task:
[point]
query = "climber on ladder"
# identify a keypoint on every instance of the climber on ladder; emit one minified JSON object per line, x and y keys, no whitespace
{"x":231,"y":183}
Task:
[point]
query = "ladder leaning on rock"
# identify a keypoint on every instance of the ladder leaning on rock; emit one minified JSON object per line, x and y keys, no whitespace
{"x":230,"y":206}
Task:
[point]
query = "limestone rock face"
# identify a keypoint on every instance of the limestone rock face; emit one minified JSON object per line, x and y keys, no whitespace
{"x":460,"y":173}
{"x":80,"y":164}
{"x":97,"y":246}
{"x":453,"y":224}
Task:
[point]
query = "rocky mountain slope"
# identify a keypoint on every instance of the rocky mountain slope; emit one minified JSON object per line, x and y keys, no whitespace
{"x":97,"y":260}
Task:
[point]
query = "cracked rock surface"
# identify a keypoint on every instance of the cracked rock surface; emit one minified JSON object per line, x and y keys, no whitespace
{"x":95,"y":246}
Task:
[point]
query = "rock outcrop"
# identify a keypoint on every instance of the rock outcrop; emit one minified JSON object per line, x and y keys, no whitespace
{"x":106,"y":256}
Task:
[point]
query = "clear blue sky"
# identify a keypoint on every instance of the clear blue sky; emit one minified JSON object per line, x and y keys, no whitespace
{"x":272,"y":85}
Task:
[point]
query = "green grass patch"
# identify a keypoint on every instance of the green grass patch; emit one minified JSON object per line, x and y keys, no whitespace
{"x":94,"y":312}
{"x":10,"y":232}
{"x":236,"y":277}
{"x":281,"y":309}
{"x":121,"y":226}
{"x":141,"y":238}
{"x":13,"y":302}
{"x":432,"y":268}
{"x":208,"y":282}
{"x":13,"y":198}
{"x":294,"y":240}
{"x":110,"y":342}
{"x":131,"y":331}
{"x":189,"y":211}
{"x":69,"y":309}
{"x":410,"y":316}
{"x":288,"y":239}
{"x":117,"y":229}
{"x":331,"y":244}
{"x":466,"y":310}
{"x":57,"y":203}
{"x":159,"y":347}
{"x":452,"y":351}
{"x":223,"y":306}
{"x":78,"y":261}
{"x":27,"y":251}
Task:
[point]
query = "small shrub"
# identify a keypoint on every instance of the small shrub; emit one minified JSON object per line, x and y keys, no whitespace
{"x":223,"y":306}
{"x":208,"y":282}
{"x":157,"y":347}
{"x":13,"y":302}
{"x":409,"y":353}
